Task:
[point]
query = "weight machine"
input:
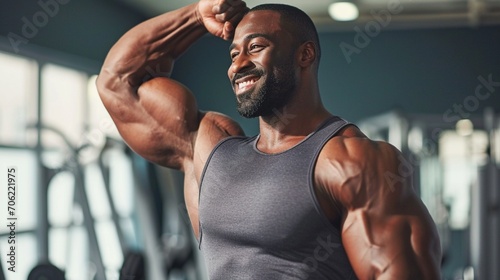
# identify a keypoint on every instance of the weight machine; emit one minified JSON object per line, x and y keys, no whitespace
{"x":471,"y":248}
{"x":158,"y":245}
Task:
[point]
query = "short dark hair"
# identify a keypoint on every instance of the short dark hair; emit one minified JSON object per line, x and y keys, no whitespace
{"x":303,"y":26}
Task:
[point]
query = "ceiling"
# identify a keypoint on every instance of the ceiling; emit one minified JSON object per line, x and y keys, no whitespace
{"x":403,"y":13}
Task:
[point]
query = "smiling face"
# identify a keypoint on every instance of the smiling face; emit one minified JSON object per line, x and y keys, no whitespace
{"x":263,"y":70}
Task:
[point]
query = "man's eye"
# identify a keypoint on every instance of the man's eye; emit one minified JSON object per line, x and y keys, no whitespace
{"x":233,"y":55}
{"x":255,"y":46}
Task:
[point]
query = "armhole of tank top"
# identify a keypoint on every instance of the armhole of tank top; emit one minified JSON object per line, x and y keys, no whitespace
{"x":314,"y":198}
{"x":217,"y":146}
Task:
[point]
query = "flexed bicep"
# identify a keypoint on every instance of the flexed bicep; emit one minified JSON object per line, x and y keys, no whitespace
{"x":157,"y":116}
{"x":159,"y":122}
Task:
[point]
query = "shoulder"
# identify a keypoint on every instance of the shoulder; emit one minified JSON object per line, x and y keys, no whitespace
{"x":213,"y":127}
{"x":352,"y":146}
{"x":354,"y":168}
{"x":223,"y":123}
{"x":371,"y":181}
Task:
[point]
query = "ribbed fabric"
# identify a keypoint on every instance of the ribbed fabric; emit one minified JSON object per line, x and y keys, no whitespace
{"x":259,"y":216}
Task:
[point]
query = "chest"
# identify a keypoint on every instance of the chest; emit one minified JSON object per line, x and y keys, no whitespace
{"x":263,"y":201}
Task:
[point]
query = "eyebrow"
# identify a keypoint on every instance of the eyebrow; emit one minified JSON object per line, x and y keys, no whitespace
{"x":250,"y":37}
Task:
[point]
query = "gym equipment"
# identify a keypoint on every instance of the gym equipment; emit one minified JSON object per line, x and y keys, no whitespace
{"x":134,"y":267}
{"x":2,"y":276}
{"x":471,"y":249}
{"x":485,"y":212}
{"x":73,"y":165}
{"x":162,"y":247}
{"x":46,"y":271}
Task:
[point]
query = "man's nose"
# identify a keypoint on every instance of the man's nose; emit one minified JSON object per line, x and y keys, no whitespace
{"x":241,"y":63}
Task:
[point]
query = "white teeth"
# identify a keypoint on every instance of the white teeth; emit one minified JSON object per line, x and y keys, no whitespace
{"x":246,"y":83}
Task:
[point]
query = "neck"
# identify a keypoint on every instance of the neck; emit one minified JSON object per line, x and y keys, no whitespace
{"x":292,"y":123}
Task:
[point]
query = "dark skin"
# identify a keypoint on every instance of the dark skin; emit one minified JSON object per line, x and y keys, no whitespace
{"x":386,"y":230}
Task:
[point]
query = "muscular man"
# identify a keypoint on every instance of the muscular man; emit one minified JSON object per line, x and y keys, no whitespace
{"x":310,"y":197}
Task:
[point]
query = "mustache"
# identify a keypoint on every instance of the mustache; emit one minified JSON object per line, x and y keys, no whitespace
{"x":252,"y":72}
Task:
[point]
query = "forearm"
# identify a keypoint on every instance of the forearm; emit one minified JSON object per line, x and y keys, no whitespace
{"x":150,"y":48}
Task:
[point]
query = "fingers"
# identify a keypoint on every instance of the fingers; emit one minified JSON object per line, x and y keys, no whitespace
{"x":220,"y":17}
{"x":223,"y":5}
{"x":227,"y":9}
{"x":229,"y":12}
{"x":228,"y":31}
{"x":231,"y":24}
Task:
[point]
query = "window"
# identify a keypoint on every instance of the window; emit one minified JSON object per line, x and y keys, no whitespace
{"x":18,"y":92}
{"x":72,"y":115}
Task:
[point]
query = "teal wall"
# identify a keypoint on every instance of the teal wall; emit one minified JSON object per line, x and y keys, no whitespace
{"x":86,"y":28}
{"x":417,"y":71}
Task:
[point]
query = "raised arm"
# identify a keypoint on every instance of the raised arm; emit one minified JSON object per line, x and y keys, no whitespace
{"x":156,"y":116}
{"x":387,"y":231}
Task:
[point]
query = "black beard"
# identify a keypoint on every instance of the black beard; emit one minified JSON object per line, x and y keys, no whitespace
{"x":273,"y":95}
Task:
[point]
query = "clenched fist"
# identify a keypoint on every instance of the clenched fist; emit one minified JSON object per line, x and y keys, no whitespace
{"x":220,"y":17}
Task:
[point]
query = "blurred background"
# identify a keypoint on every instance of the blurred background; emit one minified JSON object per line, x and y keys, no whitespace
{"x":421,"y":74}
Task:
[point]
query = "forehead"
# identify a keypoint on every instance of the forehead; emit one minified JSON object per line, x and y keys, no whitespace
{"x":262,"y":22}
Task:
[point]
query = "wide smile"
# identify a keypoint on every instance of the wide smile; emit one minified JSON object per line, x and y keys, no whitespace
{"x":244,"y":84}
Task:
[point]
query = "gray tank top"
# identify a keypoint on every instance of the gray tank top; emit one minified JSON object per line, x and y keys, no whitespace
{"x":259,"y":216}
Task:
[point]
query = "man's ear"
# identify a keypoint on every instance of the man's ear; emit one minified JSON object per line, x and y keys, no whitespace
{"x":307,"y":54}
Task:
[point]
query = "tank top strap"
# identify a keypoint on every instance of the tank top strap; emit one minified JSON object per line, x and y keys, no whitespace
{"x":324,"y":133}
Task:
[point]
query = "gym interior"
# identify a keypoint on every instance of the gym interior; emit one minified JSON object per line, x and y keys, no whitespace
{"x":77,"y":203}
